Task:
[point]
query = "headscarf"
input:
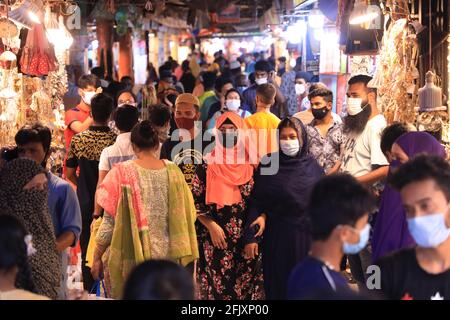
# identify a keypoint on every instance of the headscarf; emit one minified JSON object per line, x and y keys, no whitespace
{"x":391,"y":230}
{"x":292,"y":182}
{"x":228,"y":168}
{"x":414,"y":143}
{"x":30,"y":207}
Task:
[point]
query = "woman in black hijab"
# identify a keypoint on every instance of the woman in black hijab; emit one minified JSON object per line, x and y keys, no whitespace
{"x":278,"y":206}
{"x":23,"y":194}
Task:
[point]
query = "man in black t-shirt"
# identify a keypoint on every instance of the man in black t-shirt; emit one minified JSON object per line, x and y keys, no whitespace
{"x":423,"y":272}
{"x":187,"y":145}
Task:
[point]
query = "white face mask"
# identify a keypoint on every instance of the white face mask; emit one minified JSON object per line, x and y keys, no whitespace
{"x":354,"y":106}
{"x":233,"y":104}
{"x":133,"y":104}
{"x":300,"y":89}
{"x":290,"y":147}
{"x":260,"y":81}
{"x":87,"y":97}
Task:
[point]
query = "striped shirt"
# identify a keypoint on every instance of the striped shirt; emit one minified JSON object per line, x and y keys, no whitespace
{"x":120,"y":151}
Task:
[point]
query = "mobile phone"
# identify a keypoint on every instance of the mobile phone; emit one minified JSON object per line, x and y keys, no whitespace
{"x":10,"y":154}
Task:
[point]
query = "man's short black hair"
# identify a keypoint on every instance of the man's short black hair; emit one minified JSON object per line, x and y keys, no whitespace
{"x":326,"y":94}
{"x":101,"y":108}
{"x":390,"y":134}
{"x":263,"y":65}
{"x":126,"y":118}
{"x":221,"y":82}
{"x":338,"y":199}
{"x":159,"y":115}
{"x":209,"y":79}
{"x":34,"y":133}
{"x":89,"y":80}
{"x":99,"y":72}
{"x":423,"y":167}
{"x":127,"y":80}
{"x":360,"y":78}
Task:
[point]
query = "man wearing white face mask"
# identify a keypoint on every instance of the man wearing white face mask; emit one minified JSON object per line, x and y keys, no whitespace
{"x":363,"y":125}
{"x":362,"y":156}
{"x":264,"y":73}
{"x":423,"y":272}
{"x":339,"y":225}
{"x":78,"y":119}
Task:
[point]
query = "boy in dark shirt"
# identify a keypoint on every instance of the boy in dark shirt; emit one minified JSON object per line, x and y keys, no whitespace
{"x":423,"y":272}
{"x":339,"y":213}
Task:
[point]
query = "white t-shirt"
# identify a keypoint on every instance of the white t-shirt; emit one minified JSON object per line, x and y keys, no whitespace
{"x":120,"y":151}
{"x":363,"y":151}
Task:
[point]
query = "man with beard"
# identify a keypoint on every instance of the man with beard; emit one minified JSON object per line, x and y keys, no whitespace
{"x":362,"y":155}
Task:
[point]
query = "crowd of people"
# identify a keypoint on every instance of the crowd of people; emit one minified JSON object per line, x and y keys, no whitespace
{"x":238,"y":182}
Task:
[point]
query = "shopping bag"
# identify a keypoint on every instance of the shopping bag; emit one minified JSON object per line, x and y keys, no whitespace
{"x":91,"y":246}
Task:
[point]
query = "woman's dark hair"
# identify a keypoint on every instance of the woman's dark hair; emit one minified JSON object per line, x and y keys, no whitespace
{"x":126,"y":118}
{"x":233,"y":90}
{"x":338,"y":199}
{"x":159,"y":280}
{"x":13,"y":251}
{"x":145,"y":136}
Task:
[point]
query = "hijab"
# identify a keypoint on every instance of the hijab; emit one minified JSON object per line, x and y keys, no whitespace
{"x":228,"y":168}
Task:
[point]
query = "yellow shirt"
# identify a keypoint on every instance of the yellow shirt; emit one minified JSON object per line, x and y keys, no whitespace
{"x":264,"y":125}
{"x":19,"y":294}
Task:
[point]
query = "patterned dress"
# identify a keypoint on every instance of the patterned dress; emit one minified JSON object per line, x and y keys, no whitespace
{"x":225,"y":274}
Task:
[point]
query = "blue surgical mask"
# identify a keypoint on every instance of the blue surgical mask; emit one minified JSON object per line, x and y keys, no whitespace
{"x":363,"y":239}
{"x":429,"y":231}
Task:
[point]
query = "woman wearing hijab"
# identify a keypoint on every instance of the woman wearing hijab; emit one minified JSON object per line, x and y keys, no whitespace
{"x":24,"y":195}
{"x":221,"y":189}
{"x":391,"y":229}
{"x":279,"y":202}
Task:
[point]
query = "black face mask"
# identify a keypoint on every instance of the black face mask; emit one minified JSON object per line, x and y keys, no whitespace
{"x":319,"y":114}
{"x":228,"y":140}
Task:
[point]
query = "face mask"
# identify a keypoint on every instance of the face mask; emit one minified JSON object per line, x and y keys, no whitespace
{"x":260,"y":81}
{"x":319,"y":114}
{"x":290,"y":147}
{"x":233,"y":105}
{"x":429,"y":231}
{"x":228,"y":140}
{"x":354,"y":106}
{"x":133,"y":104}
{"x":87,"y":97}
{"x":299,"y":89}
{"x":363,"y":239}
{"x":185,"y":123}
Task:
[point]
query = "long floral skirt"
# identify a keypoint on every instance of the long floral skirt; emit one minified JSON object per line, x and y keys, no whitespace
{"x":226,"y":274}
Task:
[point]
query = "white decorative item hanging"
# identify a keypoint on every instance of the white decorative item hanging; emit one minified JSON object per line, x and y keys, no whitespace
{"x":430,"y":96}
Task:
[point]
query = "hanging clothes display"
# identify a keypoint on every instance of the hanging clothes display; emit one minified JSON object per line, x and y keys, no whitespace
{"x":38,"y":57}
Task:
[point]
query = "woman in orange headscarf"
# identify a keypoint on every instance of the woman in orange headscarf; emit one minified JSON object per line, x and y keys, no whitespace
{"x":221,"y":189}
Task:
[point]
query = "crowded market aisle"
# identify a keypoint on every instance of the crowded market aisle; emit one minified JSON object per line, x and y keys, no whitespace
{"x":226,"y":175}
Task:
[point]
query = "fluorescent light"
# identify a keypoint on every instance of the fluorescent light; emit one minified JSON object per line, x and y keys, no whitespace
{"x":34,"y":17}
{"x":316,"y":19}
{"x":363,"y":13}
